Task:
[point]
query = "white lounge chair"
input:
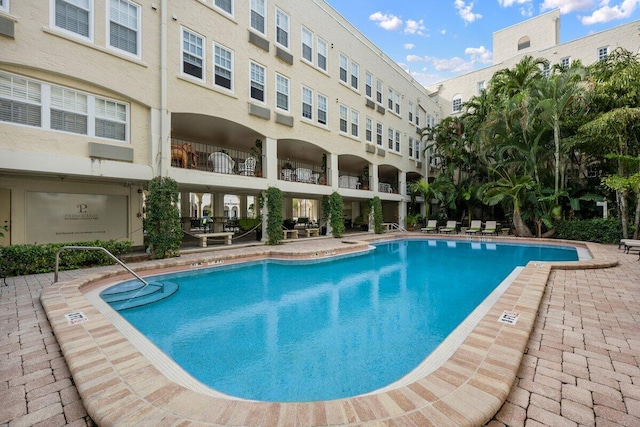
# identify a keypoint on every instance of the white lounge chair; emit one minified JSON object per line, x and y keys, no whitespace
{"x":432,"y":226}
{"x":475,"y":227}
{"x":449,"y":228}
{"x":490,"y":227}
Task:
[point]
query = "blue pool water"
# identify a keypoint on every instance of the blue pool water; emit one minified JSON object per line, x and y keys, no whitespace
{"x":292,"y":331}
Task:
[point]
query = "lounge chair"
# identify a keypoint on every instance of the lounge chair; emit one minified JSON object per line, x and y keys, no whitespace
{"x":432,"y":226}
{"x":449,"y":228}
{"x":490,"y":227}
{"x":475,"y":227}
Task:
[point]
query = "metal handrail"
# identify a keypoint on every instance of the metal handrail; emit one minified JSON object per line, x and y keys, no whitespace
{"x":397,"y":226}
{"x":93,"y":248}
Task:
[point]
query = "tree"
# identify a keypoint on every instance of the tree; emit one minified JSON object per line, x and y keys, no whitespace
{"x":511,"y":189}
{"x":441,"y":189}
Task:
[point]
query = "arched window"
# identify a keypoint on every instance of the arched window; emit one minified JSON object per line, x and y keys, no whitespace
{"x":524,"y":42}
{"x":456,"y":104}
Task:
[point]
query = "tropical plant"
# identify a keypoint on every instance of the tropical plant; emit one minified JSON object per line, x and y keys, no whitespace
{"x":376,"y":209}
{"x":274,"y":215}
{"x":162,"y":222}
{"x":336,"y":214}
{"x":441,"y":189}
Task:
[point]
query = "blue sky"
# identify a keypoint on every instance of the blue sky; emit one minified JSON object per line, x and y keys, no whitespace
{"x":437,"y":39}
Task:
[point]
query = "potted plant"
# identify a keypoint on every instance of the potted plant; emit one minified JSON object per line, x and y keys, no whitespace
{"x":410,"y":221}
{"x":256,"y":151}
{"x":365,"y":177}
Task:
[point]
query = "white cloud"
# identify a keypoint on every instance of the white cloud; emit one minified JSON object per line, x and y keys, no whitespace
{"x":408,"y":46}
{"x":416,"y":58}
{"x":443,"y":32}
{"x":423,"y":77}
{"x":607,"y":13}
{"x":568,"y":6}
{"x":415,"y":27}
{"x":388,"y":22}
{"x":464,"y":10}
{"x":480,"y":54}
{"x":507,"y":3}
{"x":455,"y":65}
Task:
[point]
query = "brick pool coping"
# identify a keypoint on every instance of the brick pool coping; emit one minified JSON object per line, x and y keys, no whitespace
{"x":120,"y":386}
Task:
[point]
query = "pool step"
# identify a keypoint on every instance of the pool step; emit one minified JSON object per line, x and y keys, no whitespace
{"x":135,"y":294}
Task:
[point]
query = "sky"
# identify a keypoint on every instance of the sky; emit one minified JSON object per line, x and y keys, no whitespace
{"x":437,"y":39}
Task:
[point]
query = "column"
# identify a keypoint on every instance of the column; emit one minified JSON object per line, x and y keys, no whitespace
{"x":185,"y":210}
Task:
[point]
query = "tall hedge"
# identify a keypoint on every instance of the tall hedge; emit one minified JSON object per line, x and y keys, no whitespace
{"x":590,"y":230}
{"x":376,"y":208}
{"x":162,"y":221}
{"x":275,"y":215}
{"x":336,"y":214}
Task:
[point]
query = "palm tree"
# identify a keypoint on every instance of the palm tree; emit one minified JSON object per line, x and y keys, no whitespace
{"x":510,"y":82}
{"x":441,"y":189}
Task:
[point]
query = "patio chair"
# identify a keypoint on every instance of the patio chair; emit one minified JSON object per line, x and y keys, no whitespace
{"x":222,"y":163}
{"x":432,"y":226}
{"x":248,"y":167}
{"x":449,"y":228}
{"x":490,"y":227}
{"x":475,"y":227}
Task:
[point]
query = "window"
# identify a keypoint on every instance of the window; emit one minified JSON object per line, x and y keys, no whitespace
{"x":397,"y":97}
{"x":379,"y":134}
{"x":74,"y":16}
{"x":355,"y":118}
{"x":398,"y":141}
{"x":546,"y":70}
{"x":390,"y":99}
{"x":282,"y":28}
{"x":192,"y":54}
{"x":322,"y":109}
{"x":565,"y":62}
{"x":68,"y":110}
{"x":418,"y":114}
{"x":343,"y":68}
{"x":480,"y":86}
{"x":411,"y":112}
{"x":379,"y":89}
{"x":368,"y":129}
{"x":258,"y":15}
{"x":368,"y":85}
{"x":20,"y":100}
{"x":410,"y":148}
{"x":223,"y":67}
{"x":4,"y":5}
{"x":456,"y":104}
{"x":524,"y":43}
{"x":257,"y":82}
{"x":390,"y":139}
{"x":344,"y":112}
{"x":603,"y":52}
{"x":124,"y":26}
{"x":417,"y":147}
{"x":282,"y":92}
{"x":226,"y":5}
{"x":322,"y":54}
{"x":307,"y":45}
{"x":307,"y":103}
{"x":111,"y":119}
{"x":355,"y":74}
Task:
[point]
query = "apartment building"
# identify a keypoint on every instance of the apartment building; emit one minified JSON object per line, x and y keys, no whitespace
{"x":97,"y":97}
{"x":538,"y":37}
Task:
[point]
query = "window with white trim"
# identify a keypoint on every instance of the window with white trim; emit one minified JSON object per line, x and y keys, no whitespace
{"x":20,"y":100}
{"x":322,"y":54}
{"x":565,"y":62}
{"x":344,"y":117}
{"x":307,"y":103}
{"x":456,"y":104}
{"x":258,"y":15}
{"x":4,"y":5}
{"x":257,"y":82}
{"x":282,"y":28}
{"x":322,"y":109}
{"x":124,"y":26}
{"x":411,"y":112}
{"x":225,"y":5}
{"x":390,"y":99}
{"x":368,"y":85}
{"x":379,"y":134}
{"x":68,"y":110}
{"x":343,"y":68}
{"x":192,"y":54}
{"x":397,"y":141}
{"x":410,"y":147}
{"x":75,"y":16}
{"x":603,"y":52}
{"x":397,"y":98}
{"x":368,"y":129}
{"x":355,"y":123}
{"x":390,"y":139}
{"x":282,"y":92}
{"x":223,"y":72}
{"x":379,"y":89}
{"x":307,"y":45}
{"x":480,"y":87}
{"x":33,"y":103}
{"x":546,"y":70}
{"x":355,"y":75}
{"x":417,"y":147}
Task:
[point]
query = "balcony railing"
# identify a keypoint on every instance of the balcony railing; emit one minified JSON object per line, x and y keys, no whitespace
{"x":349,"y":180}
{"x":294,"y":171}
{"x":212,"y":158}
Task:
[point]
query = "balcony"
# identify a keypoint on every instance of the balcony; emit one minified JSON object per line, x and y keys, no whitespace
{"x":211,"y":158}
{"x":301,"y":172}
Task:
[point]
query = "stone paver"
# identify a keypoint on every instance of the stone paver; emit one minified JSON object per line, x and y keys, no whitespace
{"x":580,"y":365}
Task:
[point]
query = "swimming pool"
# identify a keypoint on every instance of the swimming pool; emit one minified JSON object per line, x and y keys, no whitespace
{"x":268,"y":321}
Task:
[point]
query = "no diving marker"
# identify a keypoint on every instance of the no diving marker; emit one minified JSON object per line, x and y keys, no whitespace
{"x":509,"y":317}
{"x":75,"y":318}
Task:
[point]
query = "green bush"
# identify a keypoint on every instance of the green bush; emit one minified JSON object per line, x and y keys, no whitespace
{"x":17,"y":260}
{"x":275,"y":215}
{"x":376,"y":207}
{"x":590,"y":230}
{"x":336,"y":216}
{"x":162,"y":222}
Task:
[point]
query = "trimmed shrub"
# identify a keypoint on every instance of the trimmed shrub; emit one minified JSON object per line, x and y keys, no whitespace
{"x":17,"y":260}
{"x":275,"y":215}
{"x":336,"y":209}
{"x":162,"y":222}
{"x":590,"y":230}
{"x":376,"y":208}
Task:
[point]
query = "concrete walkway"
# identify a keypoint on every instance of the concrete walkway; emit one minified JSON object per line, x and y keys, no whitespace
{"x":581,"y":366}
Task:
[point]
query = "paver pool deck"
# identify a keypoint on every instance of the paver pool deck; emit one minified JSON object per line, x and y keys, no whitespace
{"x":572,"y":359}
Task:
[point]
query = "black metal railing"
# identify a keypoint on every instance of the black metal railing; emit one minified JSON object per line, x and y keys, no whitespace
{"x":213,"y":158}
{"x":291,"y":170}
